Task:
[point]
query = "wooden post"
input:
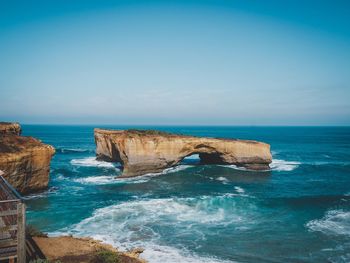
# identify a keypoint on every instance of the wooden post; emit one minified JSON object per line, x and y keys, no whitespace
{"x":21,"y":233}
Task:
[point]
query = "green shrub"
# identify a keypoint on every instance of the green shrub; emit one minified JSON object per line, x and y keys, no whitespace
{"x":105,"y":256}
{"x":148,"y":132}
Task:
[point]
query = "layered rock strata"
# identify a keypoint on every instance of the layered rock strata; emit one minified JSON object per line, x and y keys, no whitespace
{"x":25,"y":161}
{"x":7,"y":128}
{"x":142,"y":152}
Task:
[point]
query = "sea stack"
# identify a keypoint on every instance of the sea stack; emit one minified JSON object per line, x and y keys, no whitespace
{"x":147,"y":151}
{"x":25,"y":161}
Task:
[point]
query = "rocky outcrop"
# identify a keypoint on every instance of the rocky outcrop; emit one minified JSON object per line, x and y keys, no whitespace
{"x":25,"y":162}
{"x":70,"y":249}
{"x":142,"y":152}
{"x":7,"y":128}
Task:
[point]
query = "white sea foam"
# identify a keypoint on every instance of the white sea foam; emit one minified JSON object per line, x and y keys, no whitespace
{"x":91,"y":162}
{"x":239,"y":190}
{"x":169,"y":170}
{"x":96,"y":180}
{"x":45,"y":193}
{"x":155,"y":253}
{"x":335,"y":222}
{"x":275,"y":165}
{"x":132,"y":224}
{"x":113,"y":179}
{"x":282,"y":165}
{"x":222,"y":179}
{"x":235,"y":167}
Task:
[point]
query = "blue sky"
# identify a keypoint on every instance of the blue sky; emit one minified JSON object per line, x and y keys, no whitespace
{"x":175,"y":62}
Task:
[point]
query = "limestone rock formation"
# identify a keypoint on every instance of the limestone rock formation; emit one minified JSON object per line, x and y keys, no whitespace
{"x":25,"y":161}
{"x":10,"y":128}
{"x":142,"y":152}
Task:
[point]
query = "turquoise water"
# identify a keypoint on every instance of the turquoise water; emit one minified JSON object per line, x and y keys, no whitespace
{"x":297,"y":212}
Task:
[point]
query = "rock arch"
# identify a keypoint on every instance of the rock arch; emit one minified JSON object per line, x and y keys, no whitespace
{"x":142,"y":152}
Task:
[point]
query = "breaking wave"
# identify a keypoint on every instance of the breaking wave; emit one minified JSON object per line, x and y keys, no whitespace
{"x":92,"y":162}
{"x":96,"y":180}
{"x":282,"y":165}
{"x":113,"y":179}
{"x":335,"y":222}
{"x":140,"y":223}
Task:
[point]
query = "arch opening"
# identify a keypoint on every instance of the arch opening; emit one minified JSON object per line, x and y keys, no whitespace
{"x":192,"y":159}
{"x":211,"y":158}
{"x":198,"y":158}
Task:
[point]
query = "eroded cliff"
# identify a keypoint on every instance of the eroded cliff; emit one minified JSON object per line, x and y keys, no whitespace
{"x":25,"y":162}
{"x":10,"y":128}
{"x":142,"y":152}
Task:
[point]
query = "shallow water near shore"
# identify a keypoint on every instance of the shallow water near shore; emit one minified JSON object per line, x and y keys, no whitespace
{"x":297,"y":212}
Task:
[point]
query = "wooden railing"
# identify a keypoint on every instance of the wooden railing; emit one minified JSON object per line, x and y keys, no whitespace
{"x":12,"y":223}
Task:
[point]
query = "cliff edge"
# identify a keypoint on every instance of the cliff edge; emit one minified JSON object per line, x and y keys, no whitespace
{"x":25,"y":161}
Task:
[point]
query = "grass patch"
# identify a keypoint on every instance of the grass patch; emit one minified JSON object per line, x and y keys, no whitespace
{"x":105,"y":256}
{"x":149,"y":132}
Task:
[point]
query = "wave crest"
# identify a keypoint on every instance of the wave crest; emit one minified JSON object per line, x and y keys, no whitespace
{"x":140,"y":223}
{"x":283,"y":165}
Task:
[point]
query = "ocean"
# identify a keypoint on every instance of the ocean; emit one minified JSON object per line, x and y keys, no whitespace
{"x":297,"y":212}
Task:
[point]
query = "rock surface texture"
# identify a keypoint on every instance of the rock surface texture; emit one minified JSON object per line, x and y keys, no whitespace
{"x":25,"y":161}
{"x":10,"y":128}
{"x":142,"y":152}
{"x":70,"y":249}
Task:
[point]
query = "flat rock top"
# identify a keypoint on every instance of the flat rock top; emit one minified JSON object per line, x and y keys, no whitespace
{"x":14,"y":143}
{"x":160,"y":134}
{"x":135,"y":132}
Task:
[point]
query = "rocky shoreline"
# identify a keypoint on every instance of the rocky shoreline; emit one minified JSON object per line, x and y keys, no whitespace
{"x":69,"y":249}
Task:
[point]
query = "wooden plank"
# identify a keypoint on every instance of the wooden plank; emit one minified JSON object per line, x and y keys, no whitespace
{"x":6,"y":253}
{"x":21,"y":233}
{"x":8,"y":243}
{"x":8,"y":213}
{"x":8,"y":228}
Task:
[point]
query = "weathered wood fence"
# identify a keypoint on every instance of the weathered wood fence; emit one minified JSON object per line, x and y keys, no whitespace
{"x":12,"y":224}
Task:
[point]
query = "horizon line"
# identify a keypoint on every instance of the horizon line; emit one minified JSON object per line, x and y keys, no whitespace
{"x":180,"y":125}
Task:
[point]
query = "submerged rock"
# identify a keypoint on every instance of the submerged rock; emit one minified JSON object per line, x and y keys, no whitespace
{"x":25,"y":161}
{"x":142,"y":152}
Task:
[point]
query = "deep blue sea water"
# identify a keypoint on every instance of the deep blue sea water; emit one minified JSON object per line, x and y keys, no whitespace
{"x":298,"y":212}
